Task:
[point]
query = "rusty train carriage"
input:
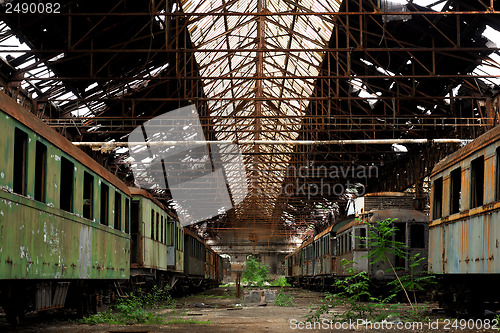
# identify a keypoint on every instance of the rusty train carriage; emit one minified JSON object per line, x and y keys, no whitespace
{"x":64,"y":219}
{"x":157,"y":240}
{"x":464,"y":231}
{"x":202,"y":266}
{"x":412,"y":230}
{"x":317,"y":262}
{"x":65,"y":225}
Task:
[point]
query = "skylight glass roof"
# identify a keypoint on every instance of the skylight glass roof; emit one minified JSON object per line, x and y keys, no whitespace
{"x":253,"y":51}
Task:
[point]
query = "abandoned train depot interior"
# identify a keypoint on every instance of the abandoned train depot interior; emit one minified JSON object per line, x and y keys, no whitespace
{"x":307,"y":163}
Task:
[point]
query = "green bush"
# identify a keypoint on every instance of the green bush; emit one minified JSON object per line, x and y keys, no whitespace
{"x":255,"y":272}
{"x":281,"y":282}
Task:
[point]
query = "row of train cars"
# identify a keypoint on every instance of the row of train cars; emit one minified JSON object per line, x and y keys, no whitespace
{"x":461,"y":239}
{"x":72,"y":234}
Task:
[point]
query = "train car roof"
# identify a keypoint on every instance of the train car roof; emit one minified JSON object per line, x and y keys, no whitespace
{"x":405,"y":215}
{"x":333,"y":228}
{"x":386,"y":194}
{"x":400,"y":214}
{"x":351,"y":224}
{"x":136,"y":191}
{"x":462,"y":153}
{"x":192,"y":234}
{"x":29,"y":120}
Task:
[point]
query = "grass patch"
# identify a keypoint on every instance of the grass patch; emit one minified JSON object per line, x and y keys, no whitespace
{"x":134,"y":309}
{"x":284,"y":299}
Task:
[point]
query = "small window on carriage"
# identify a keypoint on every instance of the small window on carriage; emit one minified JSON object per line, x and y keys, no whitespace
{"x":127,"y":215}
{"x":157,"y":226}
{"x":162,"y":234}
{"x":417,"y":236}
{"x":360,"y":238}
{"x":88,"y":195}
{"x":497,"y":192}
{"x":477,"y":182}
{"x":20,"y":161}
{"x":152,"y":224}
{"x":455,"y":189}
{"x":40,"y":171}
{"x":118,"y":211}
{"x":66,"y":185}
{"x":437,"y":207}
{"x":104,"y":203}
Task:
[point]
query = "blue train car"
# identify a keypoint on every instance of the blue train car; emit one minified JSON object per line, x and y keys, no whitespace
{"x":464,"y":238}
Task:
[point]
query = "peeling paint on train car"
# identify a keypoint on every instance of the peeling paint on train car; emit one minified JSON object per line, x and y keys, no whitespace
{"x":55,"y":244}
{"x":38,"y":240}
{"x":466,"y":246}
{"x":468,"y":242}
{"x":159,"y":239}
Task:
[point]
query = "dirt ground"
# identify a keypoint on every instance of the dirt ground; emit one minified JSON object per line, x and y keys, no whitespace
{"x":218,"y":310}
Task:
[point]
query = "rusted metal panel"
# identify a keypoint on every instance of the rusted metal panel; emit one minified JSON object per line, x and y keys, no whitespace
{"x":466,"y":246}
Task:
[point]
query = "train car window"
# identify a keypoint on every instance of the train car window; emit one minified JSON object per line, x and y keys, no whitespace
{"x":40,"y":171}
{"x":455,"y":189}
{"x":170,"y":232}
{"x":417,"y":236}
{"x":400,"y":236}
{"x":152,"y":224}
{"x":438,"y":199}
{"x":104,"y":203}
{"x":157,"y":226}
{"x":20,"y":161}
{"x":162,"y":233}
{"x":88,"y":195}
{"x":118,"y":211}
{"x":360,"y":240}
{"x":477,"y":182}
{"x":497,"y":190}
{"x":135,"y":217}
{"x":66,"y":185}
{"x":127,"y":215}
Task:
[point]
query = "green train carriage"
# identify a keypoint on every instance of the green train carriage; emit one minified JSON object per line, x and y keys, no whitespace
{"x":64,"y":220}
{"x":157,"y":241}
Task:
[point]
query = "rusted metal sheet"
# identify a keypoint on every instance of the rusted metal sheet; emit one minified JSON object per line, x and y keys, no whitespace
{"x":466,"y":246}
